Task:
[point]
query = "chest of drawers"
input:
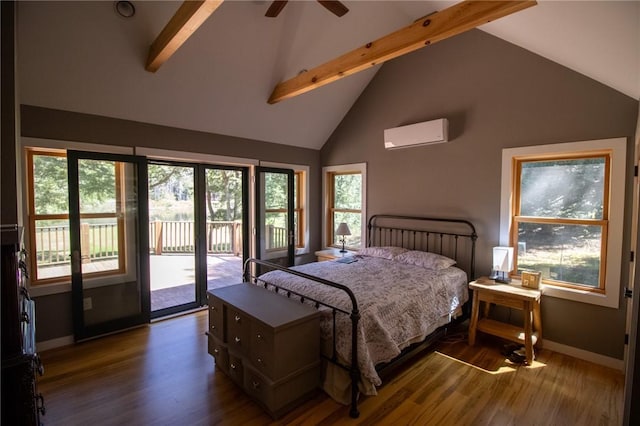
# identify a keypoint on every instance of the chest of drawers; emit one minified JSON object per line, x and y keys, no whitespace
{"x":267,"y":344}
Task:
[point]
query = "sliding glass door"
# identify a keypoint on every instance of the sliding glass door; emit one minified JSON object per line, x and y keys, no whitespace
{"x":197,"y":221}
{"x":108,"y":237}
{"x":226,"y":214}
{"x":173,"y":231}
{"x":275,"y":237}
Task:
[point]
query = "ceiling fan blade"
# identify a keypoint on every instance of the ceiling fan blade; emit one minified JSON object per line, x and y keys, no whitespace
{"x":275,"y":8}
{"x":334,"y":7}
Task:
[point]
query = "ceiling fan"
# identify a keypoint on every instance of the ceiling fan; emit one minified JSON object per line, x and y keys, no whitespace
{"x":334,"y":7}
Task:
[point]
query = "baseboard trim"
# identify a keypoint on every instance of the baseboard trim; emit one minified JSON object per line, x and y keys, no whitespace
{"x":606,"y":361}
{"x":54,"y":343}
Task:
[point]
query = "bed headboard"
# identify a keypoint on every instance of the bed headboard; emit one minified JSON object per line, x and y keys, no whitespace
{"x":454,"y":238}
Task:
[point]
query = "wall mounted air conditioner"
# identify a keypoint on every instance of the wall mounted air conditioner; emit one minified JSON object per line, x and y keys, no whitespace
{"x":427,"y":133}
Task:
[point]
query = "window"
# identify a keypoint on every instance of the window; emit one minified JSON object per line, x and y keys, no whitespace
{"x":345,"y":189}
{"x":560,"y":218}
{"x":48,"y":217}
{"x":298,"y":208}
{"x":300,"y":201}
{"x":565,"y":216}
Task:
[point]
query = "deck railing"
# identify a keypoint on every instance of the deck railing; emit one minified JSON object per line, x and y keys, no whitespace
{"x":276,"y":238}
{"x":178,"y":237}
{"x":100,"y":241}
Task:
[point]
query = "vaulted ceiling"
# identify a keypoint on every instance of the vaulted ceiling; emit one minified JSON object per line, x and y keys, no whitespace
{"x":82,"y":56}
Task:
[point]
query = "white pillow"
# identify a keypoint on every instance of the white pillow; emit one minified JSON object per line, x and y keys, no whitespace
{"x":425,"y":259}
{"x":388,"y":252}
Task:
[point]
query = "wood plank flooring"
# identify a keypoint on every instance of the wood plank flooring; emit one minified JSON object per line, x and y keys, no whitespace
{"x":162,"y":375}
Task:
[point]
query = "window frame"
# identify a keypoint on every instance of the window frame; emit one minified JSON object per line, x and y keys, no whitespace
{"x":609,"y":292}
{"x":33,"y":217}
{"x":301,"y":175}
{"x":601,"y":223}
{"x":328,"y":226}
{"x":298,"y":207}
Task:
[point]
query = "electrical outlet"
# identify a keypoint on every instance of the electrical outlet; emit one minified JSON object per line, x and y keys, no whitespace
{"x":87,"y":303}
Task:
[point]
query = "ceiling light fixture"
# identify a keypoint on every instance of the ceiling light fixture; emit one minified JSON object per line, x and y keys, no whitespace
{"x":126,"y":9}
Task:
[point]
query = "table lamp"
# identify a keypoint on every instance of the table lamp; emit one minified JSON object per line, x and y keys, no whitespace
{"x":343,"y":231}
{"x":502,"y":264}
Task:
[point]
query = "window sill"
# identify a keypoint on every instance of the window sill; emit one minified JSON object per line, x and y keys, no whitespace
{"x":582,"y":296}
{"x":49,"y":289}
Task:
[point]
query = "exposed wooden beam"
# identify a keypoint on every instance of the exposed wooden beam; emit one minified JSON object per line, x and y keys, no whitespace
{"x":438,"y":26}
{"x":189,"y":16}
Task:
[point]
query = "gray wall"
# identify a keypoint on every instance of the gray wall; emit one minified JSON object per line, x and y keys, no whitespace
{"x":495,"y":95}
{"x":54,"y":311}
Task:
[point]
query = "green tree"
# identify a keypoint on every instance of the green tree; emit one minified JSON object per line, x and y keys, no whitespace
{"x":50,"y":184}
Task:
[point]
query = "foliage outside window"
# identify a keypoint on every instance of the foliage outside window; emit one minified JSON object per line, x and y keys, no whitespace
{"x":102,"y":232}
{"x":275,"y":213}
{"x":345,"y":205}
{"x":560,"y":218}
{"x":276,"y":204}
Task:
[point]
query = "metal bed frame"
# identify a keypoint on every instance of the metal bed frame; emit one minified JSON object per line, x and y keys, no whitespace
{"x":454,"y":238}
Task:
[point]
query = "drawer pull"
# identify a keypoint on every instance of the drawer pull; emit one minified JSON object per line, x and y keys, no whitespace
{"x":213,"y":327}
{"x":216,"y":351}
{"x":259,"y":360}
{"x":237,"y":340}
{"x":259,"y":336}
{"x":256,"y":385}
{"x":233,"y":366}
{"x":237,"y":318}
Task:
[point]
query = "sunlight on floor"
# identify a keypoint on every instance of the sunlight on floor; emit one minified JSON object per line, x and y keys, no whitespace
{"x":500,"y":370}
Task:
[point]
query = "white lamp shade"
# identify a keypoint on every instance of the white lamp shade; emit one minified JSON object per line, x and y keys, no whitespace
{"x":503,"y":259}
{"x":343,"y":229}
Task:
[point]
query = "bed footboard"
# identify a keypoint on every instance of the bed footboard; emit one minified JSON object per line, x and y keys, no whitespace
{"x":250,"y":277}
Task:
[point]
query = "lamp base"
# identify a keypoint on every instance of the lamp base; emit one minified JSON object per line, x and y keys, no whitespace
{"x":500,"y":277}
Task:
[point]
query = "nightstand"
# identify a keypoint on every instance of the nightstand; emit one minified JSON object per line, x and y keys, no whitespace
{"x":513,"y":296}
{"x":332,"y":253}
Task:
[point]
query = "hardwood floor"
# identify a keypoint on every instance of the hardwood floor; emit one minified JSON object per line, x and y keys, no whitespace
{"x":162,"y":375}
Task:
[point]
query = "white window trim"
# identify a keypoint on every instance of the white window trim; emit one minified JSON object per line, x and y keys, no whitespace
{"x":305,"y":201}
{"x":613,"y":262}
{"x":55,"y":144}
{"x":356,"y":167}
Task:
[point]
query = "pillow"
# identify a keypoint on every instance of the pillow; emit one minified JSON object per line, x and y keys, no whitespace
{"x":425,"y":259}
{"x":388,"y":252}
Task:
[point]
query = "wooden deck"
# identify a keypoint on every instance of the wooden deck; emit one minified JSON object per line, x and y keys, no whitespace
{"x":173,"y":275}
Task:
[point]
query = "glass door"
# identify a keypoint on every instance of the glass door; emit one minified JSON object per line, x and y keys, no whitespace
{"x":173,"y":237}
{"x":275,"y":239}
{"x":226,"y":218}
{"x":108,"y":235}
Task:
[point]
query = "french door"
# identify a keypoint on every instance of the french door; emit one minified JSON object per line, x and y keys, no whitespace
{"x":275,"y":236}
{"x":174,"y":231}
{"x":109,"y":240}
{"x":198,"y":232}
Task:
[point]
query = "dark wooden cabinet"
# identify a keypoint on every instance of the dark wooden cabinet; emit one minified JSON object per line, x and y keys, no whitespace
{"x":267,"y":344}
{"x":21,"y":402}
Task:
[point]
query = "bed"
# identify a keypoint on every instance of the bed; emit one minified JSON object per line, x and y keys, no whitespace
{"x":397,"y":296}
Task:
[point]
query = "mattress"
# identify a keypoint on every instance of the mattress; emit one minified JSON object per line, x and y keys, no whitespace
{"x":399,"y":304}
